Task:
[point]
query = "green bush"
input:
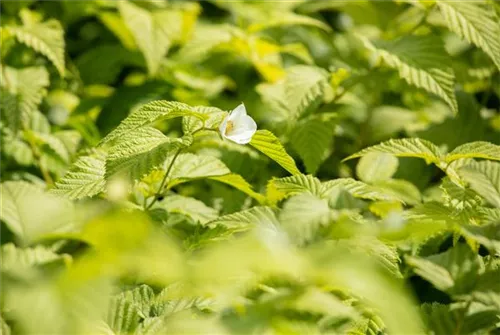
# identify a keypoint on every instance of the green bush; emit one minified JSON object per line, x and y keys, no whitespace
{"x":250,"y":167}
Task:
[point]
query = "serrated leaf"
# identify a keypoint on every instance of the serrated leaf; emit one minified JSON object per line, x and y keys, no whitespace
{"x":302,"y":215}
{"x":126,"y":309}
{"x":403,"y":189}
{"x":206,"y":38}
{"x":280,"y":19}
{"x":486,"y":234}
{"x":476,"y":22}
{"x":151,"y":326}
{"x":139,"y":152}
{"x":31,"y":213}
{"x":53,"y":145}
{"x":189,"y":166}
{"x":191,"y":207}
{"x":484,"y":178}
{"x":477,"y":149}
{"x":312,"y":140}
{"x":17,"y":259}
{"x":150,"y":31}
{"x":455,"y":270}
{"x":85,"y":178}
{"x":115,"y":23}
{"x":376,"y":166}
{"x":304,"y":87}
{"x":458,"y":197}
{"x":149,"y":113}
{"x":301,"y":91}
{"x":46,"y":38}
{"x":246,"y":219}
{"x":421,"y":61}
{"x":22,"y":92}
{"x":280,"y":188}
{"x":442,"y":319}
{"x":405,"y":147}
{"x":155,"y":30}
{"x":214,"y":118}
{"x":269,"y":145}
{"x":358,"y":189}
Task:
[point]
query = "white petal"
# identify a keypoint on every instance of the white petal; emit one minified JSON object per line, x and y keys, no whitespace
{"x":243,"y":131}
{"x":237,"y":112}
{"x":223,"y":126}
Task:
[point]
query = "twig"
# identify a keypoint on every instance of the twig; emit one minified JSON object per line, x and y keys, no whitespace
{"x":38,"y":157}
{"x":163,"y":182}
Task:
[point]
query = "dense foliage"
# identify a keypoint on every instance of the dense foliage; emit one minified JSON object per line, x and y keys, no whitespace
{"x":367,"y":202}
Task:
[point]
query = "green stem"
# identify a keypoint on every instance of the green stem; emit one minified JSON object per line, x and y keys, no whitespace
{"x":164,"y":181}
{"x":38,"y":157}
{"x":460,"y":322}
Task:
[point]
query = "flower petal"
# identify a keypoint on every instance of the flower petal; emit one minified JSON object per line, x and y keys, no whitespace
{"x":238,"y":112}
{"x":243,"y":130}
{"x":223,"y":126}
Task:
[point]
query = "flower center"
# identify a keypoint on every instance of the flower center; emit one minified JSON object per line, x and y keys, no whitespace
{"x":229,"y":127}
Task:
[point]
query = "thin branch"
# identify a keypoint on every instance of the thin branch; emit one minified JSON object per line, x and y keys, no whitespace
{"x":38,"y":157}
{"x":164,"y":181}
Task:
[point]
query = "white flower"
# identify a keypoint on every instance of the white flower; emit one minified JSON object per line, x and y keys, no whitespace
{"x":238,"y":126}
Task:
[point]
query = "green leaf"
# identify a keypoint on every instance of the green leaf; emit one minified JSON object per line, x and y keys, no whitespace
{"x":4,"y":327}
{"x":358,"y":189}
{"x":126,"y":309}
{"x":458,"y":197}
{"x":376,"y":166}
{"x":31,"y":213}
{"x":115,"y":23}
{"x":280,"y":19}
{"x":195,"y":209}
{"x":405,"y":147}
{"x":189,"y":166}
{"x":149,"y":113}
{"x":246,"y":219}
{"x":302,"y":215}
{"x":150,"y":31}
{"x":85,"y":177}
{"x":476,"y":22}
{"x":151,"y":326}
{"x":301,"y":91}
{"x":442,"y":319}
{"x":156,"y":30}
{"x":421,"y":61}
{"x":54,"y":145}
{"x":46,"y":38}
{"x":487,"y":235}
{"x":16,"y":259}
{"x":280,"y":188}
{"x":206,"y":38}
{"x":484,"y":178}
{"x":238,"y":182}
{"x":304,"y":88}
{"x":477,"y":149}
{"x":139,"y":152}
{"x":313,"y":140}
{"x":214,"y":117}
{"x":269,"y":145}
{"x":454,"y":271}
{"x":22,"y":92}
{"x":402,"y":189}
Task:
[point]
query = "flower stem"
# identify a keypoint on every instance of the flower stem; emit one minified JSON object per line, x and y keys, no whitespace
{"x":38,"y":158}
{"x":164,"y":181}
